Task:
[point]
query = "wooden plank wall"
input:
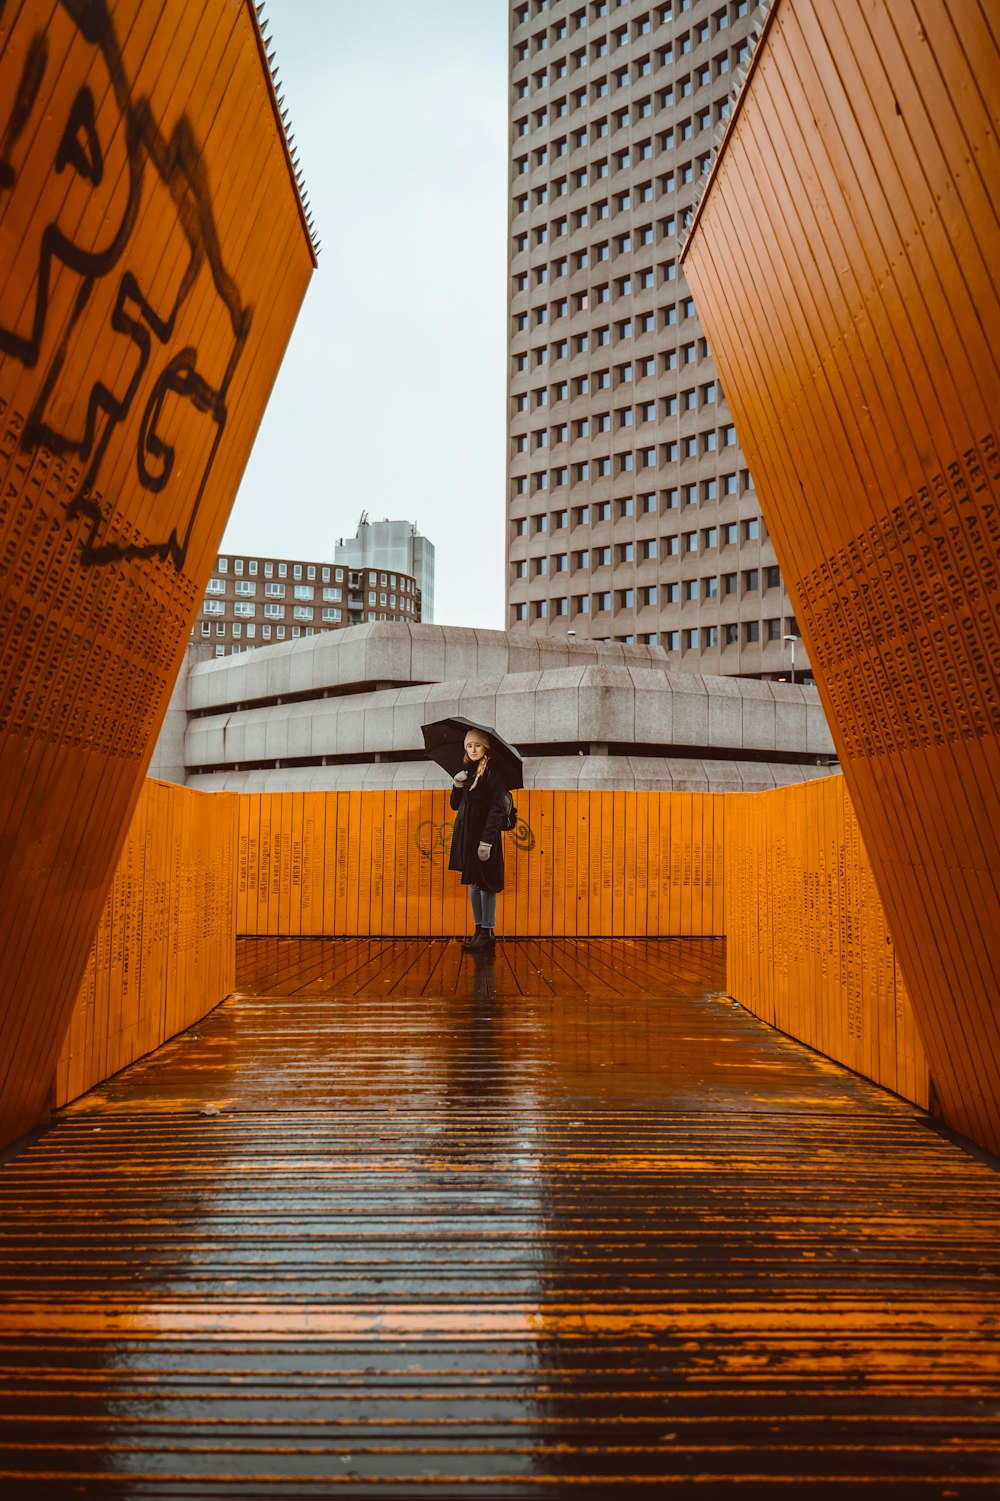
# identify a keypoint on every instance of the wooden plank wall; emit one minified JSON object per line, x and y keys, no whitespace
{"x":783,"y":875}
{"x":843,"y":262}
{"x":165,"y":950}
{"x":153,"y":259}
{"x":808,"y":947}
{"x":580,"y":863}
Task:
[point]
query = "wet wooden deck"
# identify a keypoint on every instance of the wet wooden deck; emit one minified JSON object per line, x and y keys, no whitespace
{"x":392,"y":1222}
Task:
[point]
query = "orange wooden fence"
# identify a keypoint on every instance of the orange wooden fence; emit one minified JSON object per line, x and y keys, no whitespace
{"x":808,"y":947}
{"x":843,"y":262}
{"x":153,"y":258}
{"x":580,"y":863}
{"x":165,"y":951}
{"x":782,"y":874}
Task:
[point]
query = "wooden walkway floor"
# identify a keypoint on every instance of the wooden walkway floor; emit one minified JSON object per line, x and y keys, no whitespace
{"x":390,"y":1222}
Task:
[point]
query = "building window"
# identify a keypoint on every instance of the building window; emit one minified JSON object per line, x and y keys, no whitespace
{"x":244,"y":607}
{"x":274,"y":612}
{"x":216,"y":586}
{"x":214,"y":607}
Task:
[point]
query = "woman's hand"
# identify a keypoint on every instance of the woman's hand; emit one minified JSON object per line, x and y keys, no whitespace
{"x":460,"y":779}
{"x":484,"y":851}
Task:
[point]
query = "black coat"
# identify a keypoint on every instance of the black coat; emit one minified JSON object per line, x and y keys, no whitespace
{"x":479,"y":812}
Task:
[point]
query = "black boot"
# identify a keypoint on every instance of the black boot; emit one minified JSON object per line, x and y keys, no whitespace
{"x":471,"y":943}
{"x":483,"y":942}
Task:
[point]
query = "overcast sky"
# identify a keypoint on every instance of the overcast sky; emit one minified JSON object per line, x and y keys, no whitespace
{"x":391,"y":395}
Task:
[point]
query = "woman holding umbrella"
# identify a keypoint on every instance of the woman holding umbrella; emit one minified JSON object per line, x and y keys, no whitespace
{"x":483,"y":768}
{"x":478,"y":796}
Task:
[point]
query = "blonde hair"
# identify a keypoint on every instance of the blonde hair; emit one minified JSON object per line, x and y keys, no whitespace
{"x":484,"y":760}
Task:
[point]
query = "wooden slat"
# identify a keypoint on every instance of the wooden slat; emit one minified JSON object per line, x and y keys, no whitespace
{"x":578,"y":865}
{"x":812,"y":955}
{"x":843,"y":262}
{"x":183,"y":246}
{"x":393,"y":1221}
{"x":164,"y":952}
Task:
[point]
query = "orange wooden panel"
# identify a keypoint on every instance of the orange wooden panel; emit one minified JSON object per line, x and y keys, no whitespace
{"x":796,"y":955}
{"x":843,"y":262}
{"x":165,"y":949}
{"x":578,"y":863}
{"x":153,"y":258}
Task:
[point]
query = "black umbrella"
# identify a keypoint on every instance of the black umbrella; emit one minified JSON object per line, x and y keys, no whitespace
{"x":444,"y":742}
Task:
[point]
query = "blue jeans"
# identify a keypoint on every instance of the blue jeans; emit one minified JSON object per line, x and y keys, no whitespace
{"x":484,"y":906}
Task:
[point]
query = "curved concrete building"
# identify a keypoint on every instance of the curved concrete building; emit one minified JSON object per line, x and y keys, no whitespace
{"x":345,"y":711}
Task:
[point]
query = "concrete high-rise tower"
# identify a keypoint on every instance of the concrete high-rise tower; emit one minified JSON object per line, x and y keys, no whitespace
{"x":631,"y":512}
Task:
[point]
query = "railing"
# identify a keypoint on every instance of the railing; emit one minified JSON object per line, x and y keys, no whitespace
{"x":589,"y":864}
{"x":783,"y":875}
{"x":165,"y":950}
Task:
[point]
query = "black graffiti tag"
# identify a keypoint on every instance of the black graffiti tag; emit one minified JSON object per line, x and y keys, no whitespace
{"x":433,"y":840}
{"x":154,"y":387}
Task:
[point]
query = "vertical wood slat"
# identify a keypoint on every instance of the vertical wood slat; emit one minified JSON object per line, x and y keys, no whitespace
{"x":794,"y":865}
{"x":843,"y":263}
{"x":378,"y":865}
{"x":165,"y":950}
{"x":199,"y":263}
{"x":813,"y":955}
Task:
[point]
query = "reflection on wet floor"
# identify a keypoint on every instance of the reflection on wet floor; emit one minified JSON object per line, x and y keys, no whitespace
{"x":400,"y":1220}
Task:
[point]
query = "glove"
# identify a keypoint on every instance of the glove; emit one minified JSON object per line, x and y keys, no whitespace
{"x":484,"y":851}
{"x":460,"y":779}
